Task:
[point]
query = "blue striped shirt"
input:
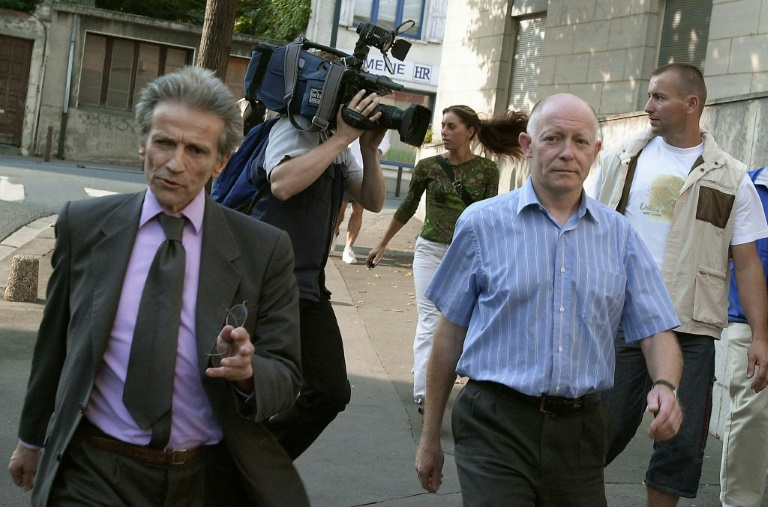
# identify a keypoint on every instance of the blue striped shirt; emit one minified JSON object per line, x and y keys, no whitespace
{"x":543,"y":302}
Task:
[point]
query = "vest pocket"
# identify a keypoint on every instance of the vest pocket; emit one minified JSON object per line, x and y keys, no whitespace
{"x":714,"y":206}
{"x":710,"y":297}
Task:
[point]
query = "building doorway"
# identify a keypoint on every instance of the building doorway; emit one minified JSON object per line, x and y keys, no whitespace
{"x":15,"y":58}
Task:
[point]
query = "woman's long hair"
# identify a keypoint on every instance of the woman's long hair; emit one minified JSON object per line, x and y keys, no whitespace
{"x":499,"y":134}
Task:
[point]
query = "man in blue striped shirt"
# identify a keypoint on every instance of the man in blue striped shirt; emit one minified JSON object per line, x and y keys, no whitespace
{"x":532,"y":290}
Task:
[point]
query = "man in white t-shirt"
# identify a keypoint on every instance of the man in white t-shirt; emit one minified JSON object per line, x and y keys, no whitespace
{"x":356,"y":217}
{"x":694,"y":207}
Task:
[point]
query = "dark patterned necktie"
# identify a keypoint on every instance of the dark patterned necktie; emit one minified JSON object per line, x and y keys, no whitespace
{"x":152,"y":364}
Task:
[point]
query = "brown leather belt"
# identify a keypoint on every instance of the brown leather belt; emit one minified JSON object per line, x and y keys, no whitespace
{"x":546,"y":404}
{"x":146,"y":454}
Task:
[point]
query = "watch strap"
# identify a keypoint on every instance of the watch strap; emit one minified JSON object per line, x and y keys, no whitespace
{"x":668,"y":384}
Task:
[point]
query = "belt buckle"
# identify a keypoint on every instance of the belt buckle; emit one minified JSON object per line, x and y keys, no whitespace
{"x":178,"y":456}
{"x":543,"y":406}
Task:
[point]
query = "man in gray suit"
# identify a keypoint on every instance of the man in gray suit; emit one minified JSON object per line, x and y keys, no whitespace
{"x":75,"y":423}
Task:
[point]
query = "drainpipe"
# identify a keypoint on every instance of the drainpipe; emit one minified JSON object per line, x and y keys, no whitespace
{"x":34,"y":142}
{"x":335,"y":27}
{"x":316,"y":21}
{"x":65,"y":111}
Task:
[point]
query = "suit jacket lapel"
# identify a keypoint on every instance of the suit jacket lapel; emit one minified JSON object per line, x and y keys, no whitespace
{"x":219,"y":279}
{"x":109,"y":262}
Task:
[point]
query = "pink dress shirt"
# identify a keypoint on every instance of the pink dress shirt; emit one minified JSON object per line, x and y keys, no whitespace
{"x":193,"y":421}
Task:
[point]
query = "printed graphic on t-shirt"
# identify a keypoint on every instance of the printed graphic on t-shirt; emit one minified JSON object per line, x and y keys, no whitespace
{"x":659,"y":205}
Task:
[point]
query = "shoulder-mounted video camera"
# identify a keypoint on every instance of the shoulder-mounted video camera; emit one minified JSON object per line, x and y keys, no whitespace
{"x":310,"y":89}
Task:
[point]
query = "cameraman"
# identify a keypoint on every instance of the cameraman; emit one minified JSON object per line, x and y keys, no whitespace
{"x":308,"y":174}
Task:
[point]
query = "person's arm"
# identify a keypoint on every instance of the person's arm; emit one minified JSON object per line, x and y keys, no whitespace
{"x":384,"y":145}
{"x":269,"y":365}
{"x":492,"y":182}
{"x":441,"y":375}
{"x":371,"y":190}
{"x":47,"y":361}
{"x":748,"y":271}
{"x":292,"y":175}
{"x":665,"y":363}
{"x":404,"y":212}
{"x":649,"y":315}
{"x":377,"y":252}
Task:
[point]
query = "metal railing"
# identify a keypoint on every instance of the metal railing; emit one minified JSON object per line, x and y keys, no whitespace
{"x":400,"y":167}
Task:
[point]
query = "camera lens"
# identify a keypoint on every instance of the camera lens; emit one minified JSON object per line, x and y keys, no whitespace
{"x":411,"y":124}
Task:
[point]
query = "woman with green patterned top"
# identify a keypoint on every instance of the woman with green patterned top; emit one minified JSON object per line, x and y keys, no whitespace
{"x":452,"y":181}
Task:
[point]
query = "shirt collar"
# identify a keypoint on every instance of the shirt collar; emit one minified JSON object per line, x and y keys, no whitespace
{"x":762,"y":178}
{"x":193,"y":212}
{"x":528,"y":198}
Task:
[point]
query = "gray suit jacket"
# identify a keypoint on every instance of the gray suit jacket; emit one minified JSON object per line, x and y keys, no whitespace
{"x":241,"y":260}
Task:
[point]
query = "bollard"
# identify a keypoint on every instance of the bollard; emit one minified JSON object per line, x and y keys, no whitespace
{"x":22,"y":279}
{"x":399,"y":178}
{"x":48,"y":141}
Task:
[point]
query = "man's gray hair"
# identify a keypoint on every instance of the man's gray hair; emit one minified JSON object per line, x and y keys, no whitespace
{"x":198,"y":89}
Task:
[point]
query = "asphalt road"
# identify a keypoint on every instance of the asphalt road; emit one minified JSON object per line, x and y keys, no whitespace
{"x":31,"y":188}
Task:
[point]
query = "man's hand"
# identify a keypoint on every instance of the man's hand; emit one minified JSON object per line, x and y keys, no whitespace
{"x":365,"y":105}
{"x":370,"y":141}
{"x":668,"y":416}
{"x":757,"y":362}
{"x":236,"y":364}
{"x":23,"y":466}
{"x":429,"y":464}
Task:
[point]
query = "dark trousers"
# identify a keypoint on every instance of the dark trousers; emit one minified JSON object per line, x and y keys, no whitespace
{"x":676,"y":464}
{"x":91,"y":476}
{"x":325,"y":389}
{"x":510,"y":453}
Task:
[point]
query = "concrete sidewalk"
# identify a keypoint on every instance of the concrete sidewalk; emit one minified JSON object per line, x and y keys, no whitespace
{"x":366,"y":456}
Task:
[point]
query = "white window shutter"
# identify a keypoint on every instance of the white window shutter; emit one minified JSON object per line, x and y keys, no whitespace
{"x":347,"y":12}
{"x":435,"y":26}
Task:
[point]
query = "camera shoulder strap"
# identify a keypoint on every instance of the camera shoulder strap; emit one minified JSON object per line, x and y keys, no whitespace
{"x":455,"y":183}
{"x":330,"y":89}
{"x":291,"y":75}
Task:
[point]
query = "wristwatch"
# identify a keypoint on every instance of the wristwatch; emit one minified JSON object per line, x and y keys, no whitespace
{"x":668,"y":384}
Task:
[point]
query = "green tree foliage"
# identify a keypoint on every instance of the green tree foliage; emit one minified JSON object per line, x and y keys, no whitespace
{"x":183,"y":11}
{"x":19,"y":5}
{"x":274,"y":19}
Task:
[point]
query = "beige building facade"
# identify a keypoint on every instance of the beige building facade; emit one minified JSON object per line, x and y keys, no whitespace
{"x":73,"y":73}
{"x":508,"y":53}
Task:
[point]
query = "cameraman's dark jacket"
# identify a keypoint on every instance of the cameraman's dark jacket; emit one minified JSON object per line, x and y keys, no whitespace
{"x":309,"y":218}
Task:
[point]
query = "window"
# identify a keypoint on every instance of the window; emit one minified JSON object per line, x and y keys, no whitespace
{"x":115,"y":70}
{"x":235,"y":78}
{"x":685,"y":32}
{"x":400,"y":151}
{"x":390,"y":14}
{"x":524,"y":85}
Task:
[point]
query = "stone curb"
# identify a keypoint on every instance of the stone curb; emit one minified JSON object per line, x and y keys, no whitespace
{"x":22,"y":239}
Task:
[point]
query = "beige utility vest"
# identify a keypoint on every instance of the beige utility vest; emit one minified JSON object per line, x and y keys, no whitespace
{"x":696,"y":260}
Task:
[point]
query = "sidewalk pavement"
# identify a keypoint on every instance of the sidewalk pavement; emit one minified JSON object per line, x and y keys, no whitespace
{"x":366,"y":455}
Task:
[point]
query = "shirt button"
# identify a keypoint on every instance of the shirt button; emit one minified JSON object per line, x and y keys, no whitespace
{"x":562,"y":309}
{"x":560,"y":349}
{"x":557,"y":389}
{"x":562,"y":270}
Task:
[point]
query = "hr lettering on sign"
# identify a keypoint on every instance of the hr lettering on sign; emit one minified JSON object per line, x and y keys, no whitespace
{"x":422,"y":72}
